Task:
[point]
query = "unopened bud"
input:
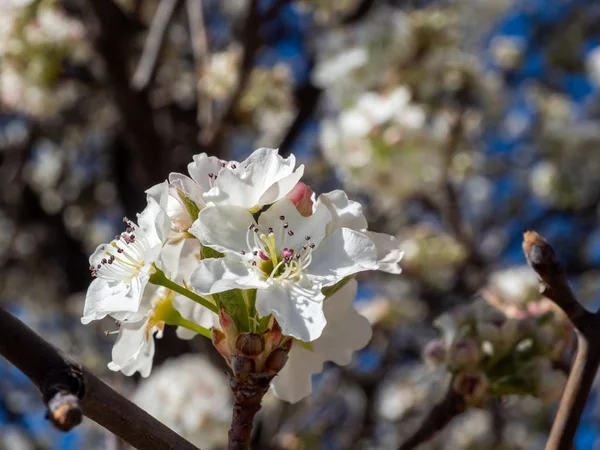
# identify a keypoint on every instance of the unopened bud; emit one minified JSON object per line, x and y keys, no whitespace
{"x":464,"y":354}
{"x":276,"y":360}
{"x":274,"y":334}
{"x":472,"y":386}
{"x":242,"y":366}
{"x":286,"y":343}
{"x":301,"y":197}
{"x":227,"y":323}
{"x":219,"y":341}
{"x":435,"y":353}
{"x":250,"y":344}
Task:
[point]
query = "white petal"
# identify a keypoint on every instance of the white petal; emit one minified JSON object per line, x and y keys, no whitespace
{"x":202,"y":166}
{"x":261,"y":179}
{"x":346,"y":330}
{"x":344,"y":253}
{"x":216,"y":275}
{"x":223,"y":228}
{"x":294,"y":381}
{"x":105,"y":297}
{"x":345,"y":212}
{"x":188,"y":186}
{"x":281,"y":188}
{"x":153,"y":220}
{"x":132,"y":352}
{"x":313,"y":226}
{"x":98,"y":255}
{"x":298,"y":311}
{"x":388,"y":252}
{"x":170,"y":256}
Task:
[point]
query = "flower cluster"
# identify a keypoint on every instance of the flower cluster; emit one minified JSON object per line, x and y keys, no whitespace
{"x":35,"y":39}
{"x":491,"y":354}
{"x":250,"y":249}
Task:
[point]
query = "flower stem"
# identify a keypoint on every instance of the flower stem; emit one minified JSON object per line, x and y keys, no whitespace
{"x":159,"y":278}
{"x":194,"y":327}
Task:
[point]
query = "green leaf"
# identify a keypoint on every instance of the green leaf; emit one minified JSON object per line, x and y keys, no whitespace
{"x":233,"y":302}
{"x":330,"y":290}
{"x":191,"y":206}
{"x":263,"y":323}
{"x":208,"y":252}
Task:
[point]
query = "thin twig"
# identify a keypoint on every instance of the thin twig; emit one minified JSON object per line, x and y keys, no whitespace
{"x":69,"y":390}
{"x":554,"y":285}
{"x":307,"y":98}
{"x":210,"y":137}
{"x":154,"y":42}
{"x":201,"y":57}
{"x":451,"y":406}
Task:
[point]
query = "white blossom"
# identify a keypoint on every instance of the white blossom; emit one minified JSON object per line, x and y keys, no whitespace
{"x":197,"y":405}
{"x":287,"y":257}
{"x":346,"y":331}
{"x":122,"y":268}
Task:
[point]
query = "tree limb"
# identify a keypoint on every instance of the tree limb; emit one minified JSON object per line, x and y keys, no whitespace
{"x":451,"y":406}
{"x":554,"y":285}
{"x":110,"y":36}
{"x":70,"y":391}
{"x":201,"y":57}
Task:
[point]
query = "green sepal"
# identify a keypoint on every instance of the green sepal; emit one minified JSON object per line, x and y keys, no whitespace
{"x":307,"y":345}
{"x":208,"y":252}
{"x":192,"y":208}
{"x":330,"y":290}
{"x":263,"y":323}
{"x":233,"y":302}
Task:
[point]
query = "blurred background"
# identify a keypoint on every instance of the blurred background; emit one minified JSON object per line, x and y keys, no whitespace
{"x":458,"y":124}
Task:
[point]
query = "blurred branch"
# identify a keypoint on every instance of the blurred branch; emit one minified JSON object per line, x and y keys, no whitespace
{"x":451,"y":210}
{"x":452,"y":405}
{"x":554,"y":285}
{"x":308,"y":98}
{"x":201,"y":57}
{"x":70,"y":391}
{"x":154,"y":42}
{"x":212,"y":136}
{"x":111,"y":35}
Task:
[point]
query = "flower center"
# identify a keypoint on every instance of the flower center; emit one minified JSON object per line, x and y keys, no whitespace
{"x":124,"y":255}
{"x":273,"y":257}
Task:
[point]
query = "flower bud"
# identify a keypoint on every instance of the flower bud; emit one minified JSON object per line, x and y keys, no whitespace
{"x":435,"y":353}
{"x":473,"y":386}
{"x":242,"y":366}
{"x":464,"y":354}
{"x":250,"y":344}
{"x":219,"y":341}
{"x":227,"y":323}
{"x":273,"y":335}
{"x":301,"y":197}
{"x":276,"y":361}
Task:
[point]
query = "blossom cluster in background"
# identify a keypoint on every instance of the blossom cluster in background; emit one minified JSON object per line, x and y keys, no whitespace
{"x":36,"y":37}
{"x":391,"y":81}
